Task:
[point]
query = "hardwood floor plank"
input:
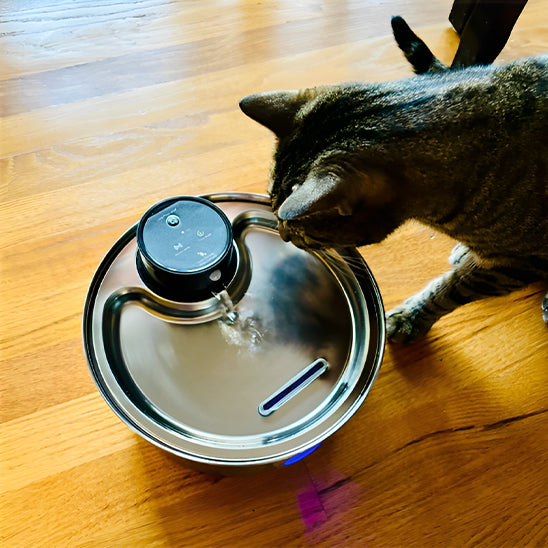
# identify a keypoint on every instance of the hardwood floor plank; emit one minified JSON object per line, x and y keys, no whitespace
{"x":47,"y":37}
{"x":32,"y":449}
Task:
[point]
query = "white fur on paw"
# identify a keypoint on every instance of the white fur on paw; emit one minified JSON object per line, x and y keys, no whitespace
{"x":458,"y":253}
{"x":545,"y":308}
{"x":402,"y":325}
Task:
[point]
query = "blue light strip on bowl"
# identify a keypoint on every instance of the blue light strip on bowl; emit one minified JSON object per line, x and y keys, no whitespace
{"x":301,"y":456}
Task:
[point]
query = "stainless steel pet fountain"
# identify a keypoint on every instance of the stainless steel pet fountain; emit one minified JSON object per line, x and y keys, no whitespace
{"x":215,"y":340}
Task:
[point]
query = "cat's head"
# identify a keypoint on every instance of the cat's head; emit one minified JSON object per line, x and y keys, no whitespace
{"x":327,"y":190}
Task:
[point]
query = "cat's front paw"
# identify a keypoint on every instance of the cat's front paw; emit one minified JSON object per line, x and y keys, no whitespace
{"x":458,"y":254}
{"x":405,"y":325}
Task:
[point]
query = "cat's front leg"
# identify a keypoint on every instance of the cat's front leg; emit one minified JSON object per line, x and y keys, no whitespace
{"x":466,"y":282}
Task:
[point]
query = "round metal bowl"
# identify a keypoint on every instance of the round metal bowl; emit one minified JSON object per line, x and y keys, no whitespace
{"x":254,"y":376}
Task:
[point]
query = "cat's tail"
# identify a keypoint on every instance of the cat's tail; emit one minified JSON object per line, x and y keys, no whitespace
{"x":415,"y":50}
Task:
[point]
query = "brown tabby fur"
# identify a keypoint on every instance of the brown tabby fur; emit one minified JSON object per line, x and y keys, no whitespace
{"x":464,"y":151}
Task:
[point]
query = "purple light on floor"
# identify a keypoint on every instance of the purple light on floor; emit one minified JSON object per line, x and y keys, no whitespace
{"x":311,"y":508}
{"x":301,"y":456}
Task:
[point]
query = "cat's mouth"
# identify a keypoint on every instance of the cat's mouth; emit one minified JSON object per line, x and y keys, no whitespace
{"x":299,"y":238}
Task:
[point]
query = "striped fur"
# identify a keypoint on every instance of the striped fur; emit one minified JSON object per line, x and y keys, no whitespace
{"x":464,"y":151}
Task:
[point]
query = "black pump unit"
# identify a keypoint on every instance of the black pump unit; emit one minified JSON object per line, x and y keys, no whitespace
{"x":186,"y":251}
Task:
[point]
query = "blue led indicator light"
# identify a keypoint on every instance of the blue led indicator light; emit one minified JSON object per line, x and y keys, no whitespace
{"x":301,"y":456}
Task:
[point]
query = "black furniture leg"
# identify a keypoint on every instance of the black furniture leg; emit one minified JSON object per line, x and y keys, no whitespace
{"x":484,"y":27}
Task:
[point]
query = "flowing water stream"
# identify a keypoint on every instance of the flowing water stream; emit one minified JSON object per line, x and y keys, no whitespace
{"x":239,"y":330}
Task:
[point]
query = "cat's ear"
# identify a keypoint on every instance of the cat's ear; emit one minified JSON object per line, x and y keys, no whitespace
{"x":276,"y":110}
{"x":340,"y":191}
{"x":317,"y":193}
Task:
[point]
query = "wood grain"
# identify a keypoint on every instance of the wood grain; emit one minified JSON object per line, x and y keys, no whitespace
{"x":108,"y":107}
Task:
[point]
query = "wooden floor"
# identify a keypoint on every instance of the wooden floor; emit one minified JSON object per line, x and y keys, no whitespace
{"x":111,"y":106}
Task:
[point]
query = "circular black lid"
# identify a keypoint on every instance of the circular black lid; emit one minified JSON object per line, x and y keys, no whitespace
{"x":185,"y":249}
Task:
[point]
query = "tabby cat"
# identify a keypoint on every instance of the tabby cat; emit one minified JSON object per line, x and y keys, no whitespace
{"x":464,"y":151}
